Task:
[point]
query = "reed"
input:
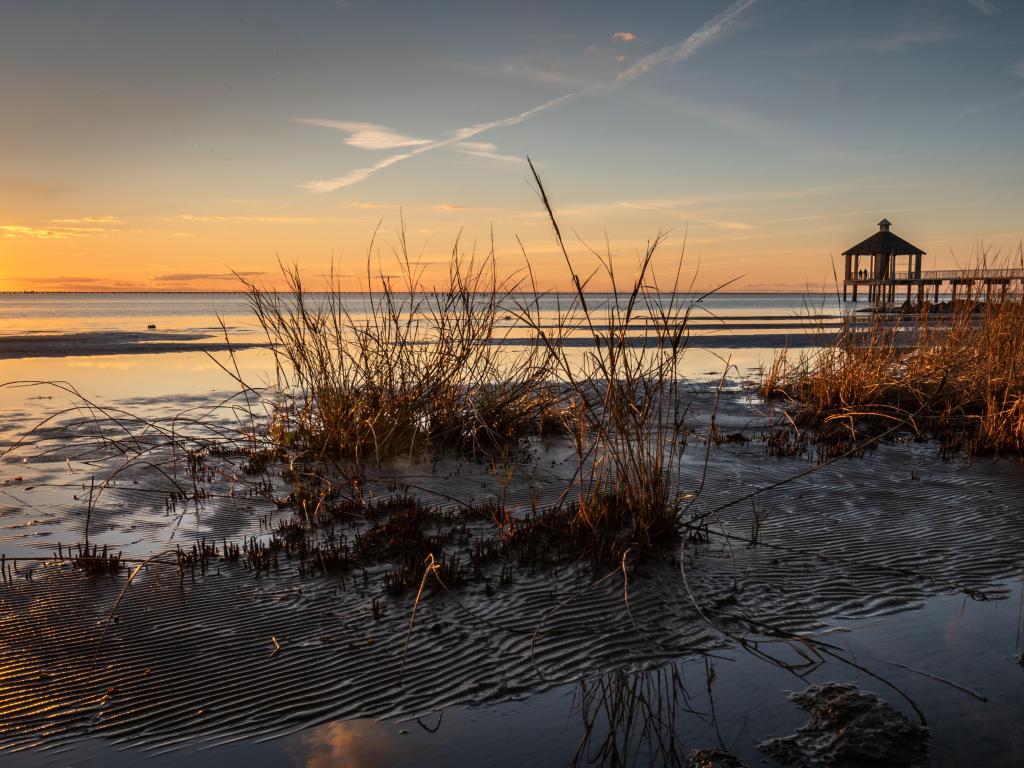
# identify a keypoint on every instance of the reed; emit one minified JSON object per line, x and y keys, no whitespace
{"x":420,"y":369}
{"x":624,"y":388}
{"x":954,"y":373}
{"x":433,"y":369}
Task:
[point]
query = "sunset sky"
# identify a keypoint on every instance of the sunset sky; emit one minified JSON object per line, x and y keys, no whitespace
{"x":163,"y":145}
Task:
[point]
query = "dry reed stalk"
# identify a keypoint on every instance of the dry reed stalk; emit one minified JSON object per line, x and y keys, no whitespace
{"x":421,"y":368}
{"x":878,"y":369}
{"x":626,"y":413}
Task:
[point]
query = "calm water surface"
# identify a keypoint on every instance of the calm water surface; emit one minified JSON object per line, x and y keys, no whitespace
{"x":739,"y":329}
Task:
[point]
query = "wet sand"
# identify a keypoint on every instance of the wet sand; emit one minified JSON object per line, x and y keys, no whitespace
{"x":111,"y":343}
{"x":191,"y":660}
{"x":95,"y":343}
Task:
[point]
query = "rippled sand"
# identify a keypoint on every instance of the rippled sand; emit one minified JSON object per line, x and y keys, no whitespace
{"x":228,"y":656}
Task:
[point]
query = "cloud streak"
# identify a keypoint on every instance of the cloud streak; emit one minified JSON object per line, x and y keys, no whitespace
{"x":905,"y":40}
{"x":109,"y":220}
{"x":713,"y":30}
{"x":191,"y":277}
{"x":76,"y":283}
{"x":205,"y":219}
{"x":62,"y":231}
{"x":367,"y":135}
{"x":487,"y":150}
{"x":985,"y":7}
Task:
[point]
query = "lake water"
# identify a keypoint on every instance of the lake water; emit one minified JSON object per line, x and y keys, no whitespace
{"x":82,"y":337}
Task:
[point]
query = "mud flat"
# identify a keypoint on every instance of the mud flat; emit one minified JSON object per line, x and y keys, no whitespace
{"x":897,"y":571}
{"x":114,"y":342}
{"x":90,"y":343}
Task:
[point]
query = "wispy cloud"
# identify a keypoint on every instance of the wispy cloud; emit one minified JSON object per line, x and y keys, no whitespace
{"x":105,"y":220}
{"x":360,"y":174}
{"x":449,"y":207}
{"x":38,"y":233}
{"x":854,"y":214}
{"x":369,"y":206}
{"x":58,"y":232}
{"x":204,"y":218}
{"x":367,"y":135}
{"x":626,"y":37}
{"x":986,"y":105}
{"x":987,"y":8}
{"x":192,"y":277}
{"x":713,"y":30}
{"x":487,"y":150}
{"x":540,"y":74}
{"x":889,"y":41}
{"x":908,"y":39}
{"x":77,"y":283}
{"x":1017,"y":70}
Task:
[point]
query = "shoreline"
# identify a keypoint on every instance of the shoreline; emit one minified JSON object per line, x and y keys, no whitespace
{"x":112,"y":343}
{"x":92,"y":343}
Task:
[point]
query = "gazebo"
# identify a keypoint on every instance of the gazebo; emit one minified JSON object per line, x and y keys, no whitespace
{"x":880,"y":275}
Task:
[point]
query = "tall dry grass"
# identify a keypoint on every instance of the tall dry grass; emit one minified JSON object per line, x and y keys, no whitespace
{"x":421,"y":369}
{"x":433,"y":369}
{"x":953,"y":372}
{"x":626,"y":410}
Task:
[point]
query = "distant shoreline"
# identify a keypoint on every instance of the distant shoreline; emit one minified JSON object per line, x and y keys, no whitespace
{"x":107,"y":343}
{"x":92,"y":343}
{"x":364,"y":293}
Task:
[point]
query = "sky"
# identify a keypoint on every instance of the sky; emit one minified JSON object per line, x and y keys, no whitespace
{"x":175,"y":146}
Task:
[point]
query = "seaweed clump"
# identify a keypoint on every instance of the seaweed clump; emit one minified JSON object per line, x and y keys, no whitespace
{"x":848,"y":729}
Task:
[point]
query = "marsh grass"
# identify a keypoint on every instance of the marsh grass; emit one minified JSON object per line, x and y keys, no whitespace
{"x":626,"y":413}
{"x":423,"y":369}
{"x":952,"y":373}
{"x":412,"y":370}
{"x":426,"y":370}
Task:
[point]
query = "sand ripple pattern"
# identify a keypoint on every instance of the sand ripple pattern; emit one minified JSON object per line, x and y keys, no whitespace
{"x":193,"y":659}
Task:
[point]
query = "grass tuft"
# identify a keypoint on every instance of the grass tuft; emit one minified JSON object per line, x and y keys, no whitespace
{"x":955,"y":375}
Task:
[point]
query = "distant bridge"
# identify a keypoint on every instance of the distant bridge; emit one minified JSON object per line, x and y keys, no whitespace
{"x":974,"y":283}
{"x":965,"y":275}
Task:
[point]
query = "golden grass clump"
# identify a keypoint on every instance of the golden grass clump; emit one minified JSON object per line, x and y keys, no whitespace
{"x":953,"y":372}
{"x":405,"y":367}
{"x":626,"y":413}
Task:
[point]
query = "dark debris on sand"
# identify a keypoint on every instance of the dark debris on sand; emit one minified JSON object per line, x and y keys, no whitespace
{"x":847,"y":729}
{"x":713,"y":758}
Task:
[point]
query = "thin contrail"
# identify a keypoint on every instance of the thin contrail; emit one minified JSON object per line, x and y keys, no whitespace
{"x":713,"y":30}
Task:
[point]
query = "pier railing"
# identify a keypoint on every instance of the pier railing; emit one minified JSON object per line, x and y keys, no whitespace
{"x":963,"y":274}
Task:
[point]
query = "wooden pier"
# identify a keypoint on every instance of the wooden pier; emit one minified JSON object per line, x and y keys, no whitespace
{"x":882,"y":281}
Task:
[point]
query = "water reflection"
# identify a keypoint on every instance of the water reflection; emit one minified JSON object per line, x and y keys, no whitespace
{"x":353,"y":744}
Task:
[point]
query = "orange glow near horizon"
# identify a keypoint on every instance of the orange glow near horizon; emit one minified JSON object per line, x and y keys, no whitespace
{"x":109,"y":253}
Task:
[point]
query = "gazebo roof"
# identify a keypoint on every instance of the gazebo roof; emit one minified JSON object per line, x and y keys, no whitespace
{"x":884,"y":242}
